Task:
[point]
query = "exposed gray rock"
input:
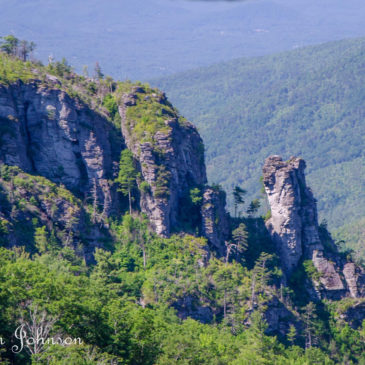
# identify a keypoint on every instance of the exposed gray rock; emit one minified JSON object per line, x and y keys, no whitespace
{"x":293,"y":216}
{"x":351,"y":277}
{"x":279,"y":318}
{"x":175,"y":155}
{"x":215,"y":219}
{"x":294,"y":229}
{"x":329,"y":278}
{"x":355,"y":279}
{"x":45,"y":132}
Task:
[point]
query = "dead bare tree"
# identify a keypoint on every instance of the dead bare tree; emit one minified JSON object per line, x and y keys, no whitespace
{"x":34,"y":330}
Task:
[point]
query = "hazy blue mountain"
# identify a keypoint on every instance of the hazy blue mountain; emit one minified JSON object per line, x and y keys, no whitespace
{"x":309,"y":102}
{"x":140,"y":39}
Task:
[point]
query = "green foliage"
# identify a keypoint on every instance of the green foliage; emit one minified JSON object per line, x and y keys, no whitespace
{"x":292,"y":334}
{"x":196,"y":196}
{"x":240,"y":237}
{"x":61,"y":69}
{"x":41,"y":239}
{"x":293,"y":103}
{"x":353,"y":237}
{"x":162,"y":189}
{"x":111,"y":105}
{"x":13,"y":69}
{"x":144,"y":186}
{"x":311,"y":271}
{"x":121,"y":307}
{"x":127,"y":175}
{"x":23,"y":201}
{"x":267,"y":216}
{"x":9,"y":44}
{"x":253,"y":207}
{"x":150,"y":300}
{"x":238,"y":194}
{"x":148,"y":115}
{"x":13,"y":46}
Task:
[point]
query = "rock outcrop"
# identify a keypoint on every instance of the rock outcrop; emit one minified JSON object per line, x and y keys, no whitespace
{"x":215,"y":219}
{"x":293,"y":221}
{"x":171,"y":160}
{"x":46,"y":132}
{"x":294,"y":228}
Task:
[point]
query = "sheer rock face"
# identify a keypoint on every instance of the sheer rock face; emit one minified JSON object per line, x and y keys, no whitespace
{"x":215,"y":219}
{"x":293,"y":223}
{"x":176,"y":154}
{"x":47,"y":133}
{"x":294,"y":228}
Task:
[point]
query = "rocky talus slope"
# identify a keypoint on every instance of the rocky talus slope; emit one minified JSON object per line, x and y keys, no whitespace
{"x":294,"y":228}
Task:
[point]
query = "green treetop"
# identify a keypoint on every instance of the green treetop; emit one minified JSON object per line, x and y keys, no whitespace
{"x":127,"y":175}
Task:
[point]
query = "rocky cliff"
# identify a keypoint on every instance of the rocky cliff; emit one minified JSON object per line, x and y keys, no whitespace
{"x":294,"y":228}
{"x":46,"y":132}
{"x":215,"y":219}
{"x":170,"y":154}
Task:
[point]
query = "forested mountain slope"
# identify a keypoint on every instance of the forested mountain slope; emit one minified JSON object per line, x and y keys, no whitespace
{"x":110,"y":235}
{"x":308,"y":102}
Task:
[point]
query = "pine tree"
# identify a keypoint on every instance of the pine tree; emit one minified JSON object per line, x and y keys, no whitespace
{"x":9,"y":45}
{"x":309,"y":317}
{"x":97,"y":71}
{"x":253,"y":207}
{"x":41,"y":239}
{"x":238,"y":194}
{"x":240,"y":237}
{"x":127,"y":175}
{"x":292,"y":334}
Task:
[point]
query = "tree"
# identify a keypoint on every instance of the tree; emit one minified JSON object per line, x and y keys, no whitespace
{"x":85,"y":71}
{"x":253,"y":207}
{"x":240,"y":237}
{"x":10,"y":45}
{"x":196,"y":196}
{"x":25,"y":49}
{"x":36,"y":325}
{"x":238,"y":194}
{"x":292,"y":334}
{"x":127,"y":175}
{"x":94,"y":193}
{"x":110,"y":83}
{"x":230,"y":246}
{"x":239,"y":243}
{"x":31,"y":47}
{"x":261,"y":275}
{"x":309,"y":317}
{"x":97,"y":71}
{"x":41,"y":239}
